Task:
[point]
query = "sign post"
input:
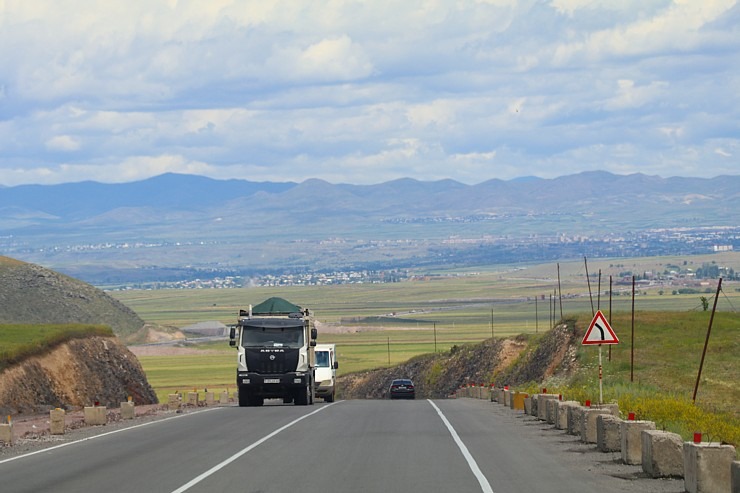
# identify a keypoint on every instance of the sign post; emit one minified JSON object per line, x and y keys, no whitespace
{"x":599,"y":332}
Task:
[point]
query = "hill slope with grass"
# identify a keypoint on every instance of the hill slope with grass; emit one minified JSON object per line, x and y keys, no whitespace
{"x":31,"y":294}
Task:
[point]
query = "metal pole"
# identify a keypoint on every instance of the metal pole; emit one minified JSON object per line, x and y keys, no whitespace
{"x":610,"y":313}
{"x":598,"y":295}
{"x":491,"y":323}
{"x":632,"y":342}
{"x":706,"y":342}
{"x":560,"y":294}
{"x":536,"y":316}
{"x":601,"y":386}
{"x":389,"y":351}
{"x":588,"y":281}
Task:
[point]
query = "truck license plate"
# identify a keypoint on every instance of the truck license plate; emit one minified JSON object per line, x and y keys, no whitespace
{"x":272,"y":380}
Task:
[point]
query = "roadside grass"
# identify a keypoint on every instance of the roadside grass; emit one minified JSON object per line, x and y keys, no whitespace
{"x":659,"y":386}
{"x":20,"y":341}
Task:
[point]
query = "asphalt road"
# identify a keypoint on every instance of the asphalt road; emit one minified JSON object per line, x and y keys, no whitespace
{"x":451,"y":445}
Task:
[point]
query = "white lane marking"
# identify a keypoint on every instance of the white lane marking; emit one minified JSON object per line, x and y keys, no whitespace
{"x":484,"y":485}
{"x":49,"y":449}
{"x":231,"y":459}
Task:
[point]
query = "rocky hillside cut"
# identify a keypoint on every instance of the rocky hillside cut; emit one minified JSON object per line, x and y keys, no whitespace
{"x":75,"y":374}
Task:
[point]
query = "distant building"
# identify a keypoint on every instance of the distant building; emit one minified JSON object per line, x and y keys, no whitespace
{"x":212,"y":328}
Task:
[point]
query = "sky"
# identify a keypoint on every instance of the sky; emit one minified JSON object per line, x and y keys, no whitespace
{"x":365,"y":92}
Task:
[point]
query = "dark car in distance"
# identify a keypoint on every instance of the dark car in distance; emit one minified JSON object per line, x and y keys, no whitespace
{"x":402,"y":388}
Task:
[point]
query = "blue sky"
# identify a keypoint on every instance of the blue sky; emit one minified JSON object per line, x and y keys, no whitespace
{"x":367,"y":91}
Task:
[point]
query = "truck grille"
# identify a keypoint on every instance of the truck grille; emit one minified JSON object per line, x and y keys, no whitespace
{"x":271,"y":361}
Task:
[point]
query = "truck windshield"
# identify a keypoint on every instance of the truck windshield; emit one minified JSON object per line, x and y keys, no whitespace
{"x":322,"y":359}
{"x":291,"y":337}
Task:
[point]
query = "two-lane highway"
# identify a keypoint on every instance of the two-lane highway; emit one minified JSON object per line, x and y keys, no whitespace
{"x":362,"y":445}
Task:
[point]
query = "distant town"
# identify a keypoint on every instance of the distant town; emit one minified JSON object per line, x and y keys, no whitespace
{"x":644,"y":244}
{"x":428,"y":256}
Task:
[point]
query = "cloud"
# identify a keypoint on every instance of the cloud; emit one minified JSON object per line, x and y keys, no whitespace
{"x":62,"y":143}
{"x":366,"y":91}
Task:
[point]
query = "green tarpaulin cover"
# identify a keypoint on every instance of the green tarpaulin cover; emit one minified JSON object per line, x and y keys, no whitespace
{"x":275,"y":305}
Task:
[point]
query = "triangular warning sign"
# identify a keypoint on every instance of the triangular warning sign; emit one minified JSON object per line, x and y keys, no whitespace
{"x":599,"y":332}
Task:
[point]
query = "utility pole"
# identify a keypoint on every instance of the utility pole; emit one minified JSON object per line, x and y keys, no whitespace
{"x":706,"y":341}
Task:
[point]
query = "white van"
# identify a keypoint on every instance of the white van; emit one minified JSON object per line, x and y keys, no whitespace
{"x":326,"y":371}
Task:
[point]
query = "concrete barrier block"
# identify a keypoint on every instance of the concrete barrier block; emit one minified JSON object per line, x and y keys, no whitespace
{"x":542,"y":405}
{"x":631,"y":440}
{"x":575,"y":415}
{"x":528,"y":402}
{"x":608,"y":438}
{"x":735,"y":480}
{"x":707,"y":467}
{"x":57,"y":419}
{"x":662,"y":454}
{"x":588,"y":423}
{"x":507,"y":398}
{"x":6,"y":433}
{"x":561,"y":414}
{"x":535,"y":405}
{"x":128,"y":410}
{"x":517,"y":401}
{"x":551,"y":406}
{"x":210,"y":398}
{"x":500,"y":396}
{"x":224,"y":398}
{"x":95,"y":415}
{"x":193,"y":399}
{"x":173,"y":402}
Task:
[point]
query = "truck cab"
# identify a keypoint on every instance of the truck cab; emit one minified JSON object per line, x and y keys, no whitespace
{"x":326,"y":371}
{"x":275,"y":343}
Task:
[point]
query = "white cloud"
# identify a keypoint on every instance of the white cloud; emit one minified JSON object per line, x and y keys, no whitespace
{"x":62,"y":143}
{"x":366,"y":91}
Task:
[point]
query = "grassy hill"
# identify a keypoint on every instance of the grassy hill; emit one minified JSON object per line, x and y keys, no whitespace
{"x":31,"y":294}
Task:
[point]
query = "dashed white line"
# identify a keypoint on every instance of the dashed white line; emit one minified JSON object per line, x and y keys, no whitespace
{"x":484,"y":485}
{"x":231,"y":459}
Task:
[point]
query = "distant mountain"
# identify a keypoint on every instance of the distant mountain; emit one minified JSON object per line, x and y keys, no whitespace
{"x":181,"y":221}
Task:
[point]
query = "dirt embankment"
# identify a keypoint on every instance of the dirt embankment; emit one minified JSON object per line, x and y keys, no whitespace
{"x":75,"y":374}
{"x":499,"y":361}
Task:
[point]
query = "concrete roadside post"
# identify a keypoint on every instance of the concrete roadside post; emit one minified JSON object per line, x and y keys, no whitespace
{"x":95,"y":415}
{"x":735,"y":477}
{"x":193,"y":399}
{"x":608,"y":437}
{"x":210,"y":398}
{"x":128,"y":410}
{"x":224,"y":398}
{"x":517,"y":402}
{"x":57,"y":421}
{"x":631,"y":440}
{"x":561,"y":414}
{"x":173,"y":402}
{"x":575,"y":415}
{"x":6,"y":432}
{"x":542,"y":405}
{"x":662,"y":454}
{"x":588,"y":423}
{"x":707,"y":467}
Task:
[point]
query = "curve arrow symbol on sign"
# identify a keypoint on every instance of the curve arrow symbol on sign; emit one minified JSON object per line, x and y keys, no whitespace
{"x":604,"y":334}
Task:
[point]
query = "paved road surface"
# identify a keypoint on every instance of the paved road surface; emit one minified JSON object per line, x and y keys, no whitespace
{"x":460,"y":445}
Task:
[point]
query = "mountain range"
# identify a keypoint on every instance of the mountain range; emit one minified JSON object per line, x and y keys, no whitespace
{"x":175,"y":220}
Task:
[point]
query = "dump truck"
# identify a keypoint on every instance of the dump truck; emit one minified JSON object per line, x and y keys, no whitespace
{"x":326,"y":371}
{"x":275,"y":343}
